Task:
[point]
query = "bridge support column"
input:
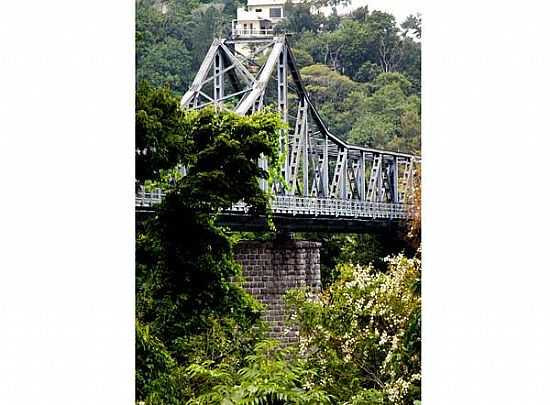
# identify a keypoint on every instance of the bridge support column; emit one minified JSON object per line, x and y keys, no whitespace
{"x":271,"y":268}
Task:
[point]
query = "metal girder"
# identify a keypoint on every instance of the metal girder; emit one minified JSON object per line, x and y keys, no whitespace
{"x":407,"y":185}
{"x":361,"y":189}
{"x":393,"y":180}
{"x":262,"y":162}
{"x":305,"y":161}
{"x":337,"y":187}
{"x":282,"y":106}
{"x":325,"y":169}
{"x":218,"y":79}
{"x":217,"y":59}
{"x":384,"y":183}
{"x":358,"y":174}
{"x":317,"y":186}
{"x":353,"y":176}
{"x":374,"y":179}
{"x":259,"y":102}
{"x":280,"y":44}
{"x":240,"y":69}
{"x":197,"y":84}
{"x":282,"y":86}
{"x":261,"y":83}
{"x":296,"y":145}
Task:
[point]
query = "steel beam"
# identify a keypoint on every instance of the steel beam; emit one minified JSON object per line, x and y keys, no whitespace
{"x":218,"y":78}
{"x":325,"y":169}
{"x":296,"y":146}
{"x":374,"y":179}
{"x":261,"y":83}
{"x":337,"y":190}
{"x":305,"y":165}
{"x":191,"y":94}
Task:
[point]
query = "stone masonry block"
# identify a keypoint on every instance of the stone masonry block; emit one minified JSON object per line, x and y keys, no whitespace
{"x":271,"y":268}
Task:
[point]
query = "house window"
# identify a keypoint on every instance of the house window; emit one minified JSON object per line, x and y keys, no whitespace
{"x":275,"y":12}
{"x":258,"y":10}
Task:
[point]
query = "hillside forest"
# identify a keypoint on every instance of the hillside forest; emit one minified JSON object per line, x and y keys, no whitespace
{"x":200,"y":338}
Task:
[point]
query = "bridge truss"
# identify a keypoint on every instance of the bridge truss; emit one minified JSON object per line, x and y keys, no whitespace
{"x":325,"y":176}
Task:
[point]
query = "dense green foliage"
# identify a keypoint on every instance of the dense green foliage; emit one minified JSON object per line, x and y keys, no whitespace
{"x":363,"y":73}
{"x":160,"y":126}
{"x":271,"y":375}
{"x":190,"y":306}
{"x":173,"y":36}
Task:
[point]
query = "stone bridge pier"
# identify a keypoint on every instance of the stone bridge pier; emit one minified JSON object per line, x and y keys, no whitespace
{"x":271,"y":268}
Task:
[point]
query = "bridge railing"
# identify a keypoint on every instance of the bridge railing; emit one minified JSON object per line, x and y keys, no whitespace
{"x":333,"y":207}
{"x":148,"y":199}
{"x":307,"y":206}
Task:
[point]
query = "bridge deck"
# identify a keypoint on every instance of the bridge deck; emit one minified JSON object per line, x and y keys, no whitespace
{"x":300,"y":214}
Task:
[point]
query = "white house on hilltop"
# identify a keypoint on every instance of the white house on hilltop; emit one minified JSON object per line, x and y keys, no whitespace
{"x":258,"y":18}
{"x":256,"y":21}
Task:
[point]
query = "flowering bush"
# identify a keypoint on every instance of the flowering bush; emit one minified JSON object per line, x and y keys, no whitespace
{"x":362,"y":335}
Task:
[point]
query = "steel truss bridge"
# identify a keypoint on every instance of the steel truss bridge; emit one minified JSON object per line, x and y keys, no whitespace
{"x":330,"y":184}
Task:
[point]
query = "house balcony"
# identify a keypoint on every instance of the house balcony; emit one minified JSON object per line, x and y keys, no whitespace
{"x":251,"y":33}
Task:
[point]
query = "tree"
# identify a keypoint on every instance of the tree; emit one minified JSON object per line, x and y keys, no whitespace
{"x":167,"y":64}
{"x":329,"y":91}
{"x":325,"y":85}
{"x":189,"y":301}
{"x":299,"y":19}
{"x":390,"y":119}
{"x":367,"y":72}
{"x":160,"y":140}
{"x":198,"y":31}
{"x":385,"y":79}
{"x":149,"y":28}
{"x":303,"y":58}
{"x":171,"y":41}
{"x":384,"y":39}
{"x":410,"y":63}
{"x":413,"y":23}
{"x":342,"y":49}
{"x":360,"y":14}
{"x":366,"y":41}
{"x":317,"y":4}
